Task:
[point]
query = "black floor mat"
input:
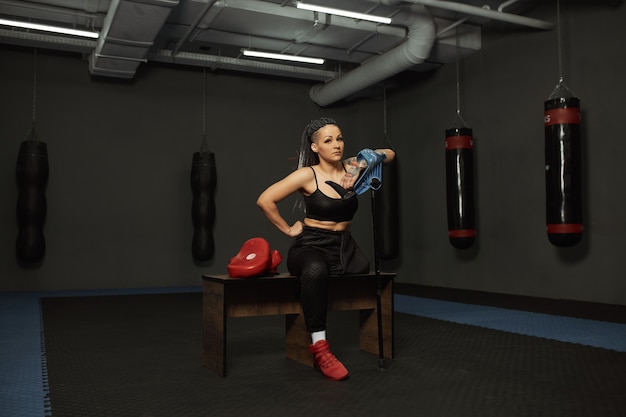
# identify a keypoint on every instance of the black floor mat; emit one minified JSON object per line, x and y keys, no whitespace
{"x":140,"y":355}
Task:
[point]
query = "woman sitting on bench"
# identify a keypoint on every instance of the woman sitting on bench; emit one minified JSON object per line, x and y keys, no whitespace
{"x":323,"y":245}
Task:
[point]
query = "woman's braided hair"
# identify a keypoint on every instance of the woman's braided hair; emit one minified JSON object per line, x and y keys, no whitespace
{"x":307,"y":157}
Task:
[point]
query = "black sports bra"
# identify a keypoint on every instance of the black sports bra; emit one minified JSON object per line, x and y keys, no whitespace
{"x":321,"y":207}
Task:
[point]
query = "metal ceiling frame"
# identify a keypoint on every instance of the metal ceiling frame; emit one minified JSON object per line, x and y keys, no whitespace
{"x":129,"y":30}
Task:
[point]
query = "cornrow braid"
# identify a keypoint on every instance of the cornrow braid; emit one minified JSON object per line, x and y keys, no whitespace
{"x":307,"y":157}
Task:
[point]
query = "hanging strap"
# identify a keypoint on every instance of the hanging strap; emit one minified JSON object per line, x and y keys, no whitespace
{"x":32,"y":133}
{"x":204,"y":146}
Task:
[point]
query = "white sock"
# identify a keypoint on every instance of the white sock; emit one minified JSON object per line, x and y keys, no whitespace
{"x":317,"y":336}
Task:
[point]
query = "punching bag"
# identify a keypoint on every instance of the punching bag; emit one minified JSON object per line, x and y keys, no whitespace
{"x":563,"y":155}
{"x":460,"y":186}
{"x":386,"y":206}
{"x":32,"y":176}
{"x":203,"y":182}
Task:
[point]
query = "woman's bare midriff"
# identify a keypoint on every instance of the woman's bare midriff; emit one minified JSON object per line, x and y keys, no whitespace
{"x":327,"y":225}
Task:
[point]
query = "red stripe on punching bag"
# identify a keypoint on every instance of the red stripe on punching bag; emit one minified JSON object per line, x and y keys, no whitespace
{"x":563,"y":157}
{"x":564,"y":228}
{"x":459,"y":142}
{"x":461,"y":233}
{"x":460,"y":187}
{"x":565,"y":116}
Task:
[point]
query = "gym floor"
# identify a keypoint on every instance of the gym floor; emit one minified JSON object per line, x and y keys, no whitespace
{"x":423,"y":314}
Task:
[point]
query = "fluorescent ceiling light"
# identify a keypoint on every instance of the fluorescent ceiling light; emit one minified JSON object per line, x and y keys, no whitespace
{"x":48,"y":28}
{"x":295,"y":58}
{"x":344,"y":13}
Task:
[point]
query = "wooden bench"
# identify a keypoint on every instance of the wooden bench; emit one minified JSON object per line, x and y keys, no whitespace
{"x":225,"y":297}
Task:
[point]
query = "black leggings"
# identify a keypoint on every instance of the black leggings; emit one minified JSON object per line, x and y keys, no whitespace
{"x":314,"y":256}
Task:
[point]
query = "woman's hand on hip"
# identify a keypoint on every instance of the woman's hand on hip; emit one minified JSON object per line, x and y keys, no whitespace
{"x":296,"y":229}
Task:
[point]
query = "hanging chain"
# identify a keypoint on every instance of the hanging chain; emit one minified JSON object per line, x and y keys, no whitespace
{"x":204,"y":147}
{"x":32,"y":135}
{"x":34,"y":86}
{"x":385,"y":141}
{"x":458,"y":83}
{"x":204,"y":104}
{"x":558,"y":32}
{"x":385,"y":111}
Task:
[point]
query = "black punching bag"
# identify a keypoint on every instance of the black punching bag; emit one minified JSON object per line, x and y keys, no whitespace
{"x":203,"y":182}
{"x":564,"y":219}
{"x":32,"y":176}
{"x":386,"y":206}
{"x":460,"y":187}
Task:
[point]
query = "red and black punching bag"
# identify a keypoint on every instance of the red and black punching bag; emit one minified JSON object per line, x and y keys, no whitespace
{"x":460,"y":186}
{"x":386,"y":206}
{"x":32,"y":177}
{"x":203,"y":183}
{"x":563,"y":155}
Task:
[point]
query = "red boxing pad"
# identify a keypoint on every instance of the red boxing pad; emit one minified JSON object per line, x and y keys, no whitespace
{"x":254,"y":259}
{"x":276,"y":259}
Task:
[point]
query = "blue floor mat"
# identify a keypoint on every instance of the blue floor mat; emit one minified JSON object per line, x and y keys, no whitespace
{"x":21,"y":376}
{"x":23,"y":379}
{"x":565,"y":329}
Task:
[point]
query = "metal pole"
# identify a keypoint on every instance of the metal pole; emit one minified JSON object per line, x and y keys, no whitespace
{"x":379,"y":313}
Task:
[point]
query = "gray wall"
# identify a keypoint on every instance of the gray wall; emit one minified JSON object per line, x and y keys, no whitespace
{"x":120,"y":154}
{"x":503,"y":88}
{"x":119,"y":194}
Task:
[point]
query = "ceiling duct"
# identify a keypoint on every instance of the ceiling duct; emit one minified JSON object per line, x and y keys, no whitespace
{"x":129,"y":31}
{"x":415,"y":50}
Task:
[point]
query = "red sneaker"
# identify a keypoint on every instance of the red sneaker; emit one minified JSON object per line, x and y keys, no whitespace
{"x":327,"y":362}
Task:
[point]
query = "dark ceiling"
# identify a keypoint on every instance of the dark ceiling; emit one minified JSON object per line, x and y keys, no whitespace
{"x":423,"y":35}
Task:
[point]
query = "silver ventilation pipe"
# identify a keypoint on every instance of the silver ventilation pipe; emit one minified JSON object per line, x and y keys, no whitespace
{"x":416,"y":49}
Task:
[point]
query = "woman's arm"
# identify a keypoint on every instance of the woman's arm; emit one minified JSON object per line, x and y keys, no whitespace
{"x":353,"y":167}
{"x":269,"y":199}
{"x":390,"y":154}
